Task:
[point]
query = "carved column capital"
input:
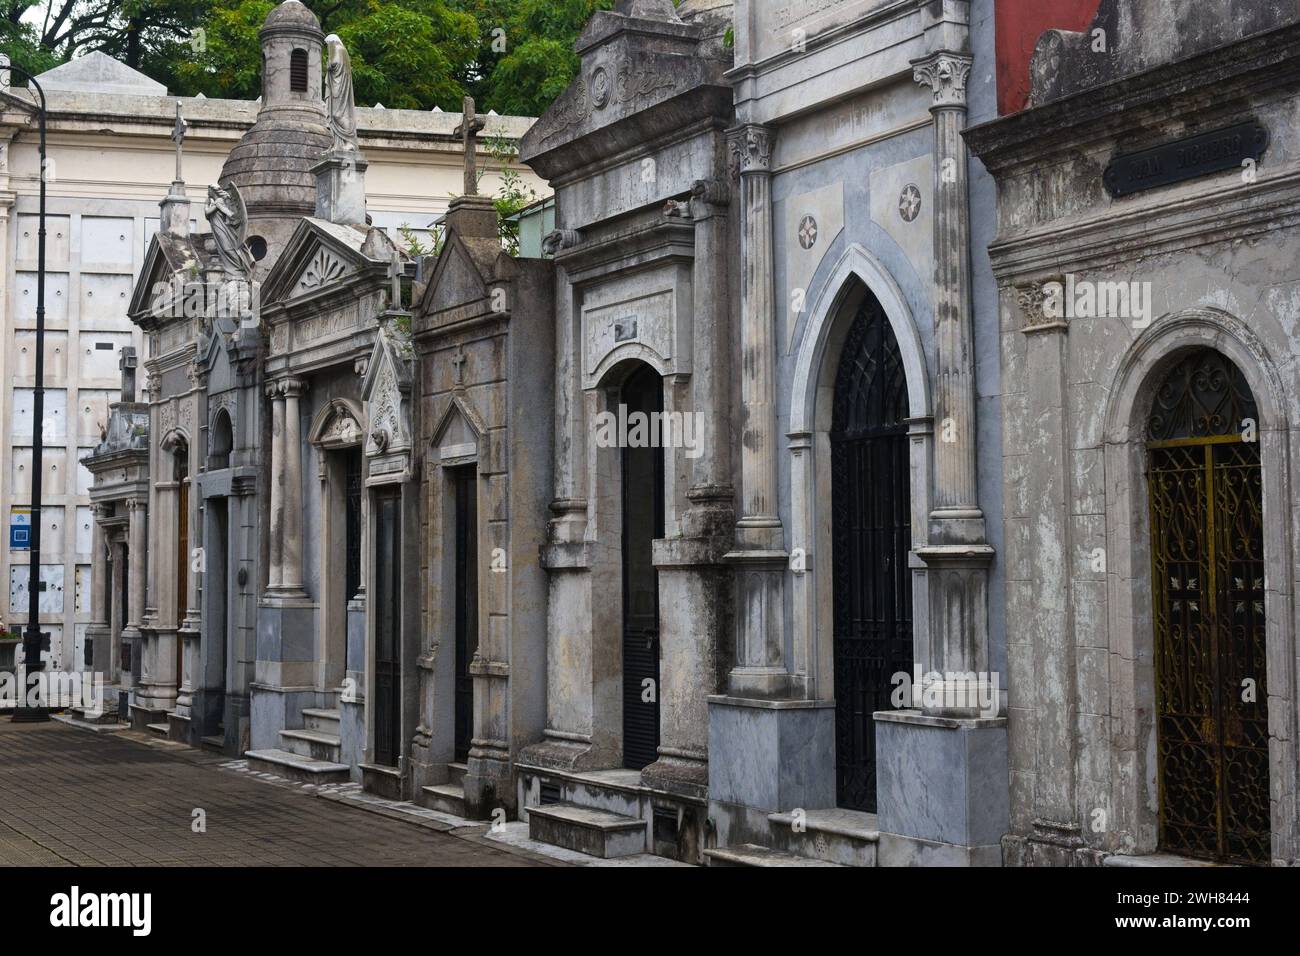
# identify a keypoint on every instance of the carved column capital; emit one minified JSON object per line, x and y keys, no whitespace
{"x":272,"y":389}
{"x":945,"y":74}
{"x":136,"y":504}
{"x":1036,"y":300}
{"x":709,"y":195}
{"x":293,"y":387}
{"x":750,"y":147}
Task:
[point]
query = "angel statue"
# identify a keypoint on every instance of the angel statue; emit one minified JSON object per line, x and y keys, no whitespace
{"x":339,"y":101}
{"x":228,"y":218}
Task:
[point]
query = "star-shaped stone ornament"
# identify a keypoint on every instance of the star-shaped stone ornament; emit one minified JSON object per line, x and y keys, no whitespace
{"x":807,"y":232}
{"x":909,"y":203}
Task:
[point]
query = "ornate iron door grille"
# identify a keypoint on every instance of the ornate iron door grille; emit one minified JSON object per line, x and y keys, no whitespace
{"x":1207,"y":548}
{"x":388,"y":604}
{"x":872,"y":537}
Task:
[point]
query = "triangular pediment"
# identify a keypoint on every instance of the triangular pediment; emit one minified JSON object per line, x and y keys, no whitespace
{"x":166,"y":257}
{"x":318,"y":256}
{"x":458,"y":432}
{"x":456,"y":280}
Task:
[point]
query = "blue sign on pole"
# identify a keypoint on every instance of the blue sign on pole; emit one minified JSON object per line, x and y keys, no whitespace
{"x":20,"y":529}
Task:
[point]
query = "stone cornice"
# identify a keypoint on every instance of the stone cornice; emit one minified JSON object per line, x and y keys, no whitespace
{"x":1244,"y":69}
{"x":1213,"y":214}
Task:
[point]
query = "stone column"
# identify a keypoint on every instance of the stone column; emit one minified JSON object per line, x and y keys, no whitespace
{"x":710,"y":325}
{"x":97,"y":631}
{"x":121,"y":677}
{"x":758,"y":528}
{"x":1056,"y":832}
{"x":137,"y":552}
{"x":276,"y":529}
{"x":760,"y":557}
{"x":291,"y":492}
{"x":570,"y":505}
{"x":958,"y":555}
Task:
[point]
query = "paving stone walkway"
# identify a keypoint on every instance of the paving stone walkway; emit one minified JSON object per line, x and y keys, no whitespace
{"x":69,"y":797}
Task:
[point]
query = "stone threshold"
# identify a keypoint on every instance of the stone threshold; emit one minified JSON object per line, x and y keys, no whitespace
{"x":615,"y":778}
{"x":1160,"y":860}
{"x":852,"y":824}
{"x":96,"y":728}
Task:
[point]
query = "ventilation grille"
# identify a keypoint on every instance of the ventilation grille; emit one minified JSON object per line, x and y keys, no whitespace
{"x":549,"y":794}
{"x":298,"y":71}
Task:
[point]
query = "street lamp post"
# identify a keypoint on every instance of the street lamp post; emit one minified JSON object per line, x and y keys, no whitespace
{"x":32,"y":640}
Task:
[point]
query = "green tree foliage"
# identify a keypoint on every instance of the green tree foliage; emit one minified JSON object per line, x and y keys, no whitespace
{"x":512,"y":56}
{"x":222,"y":58}
{"x":405,"y":55}
{"x":538,"y":60}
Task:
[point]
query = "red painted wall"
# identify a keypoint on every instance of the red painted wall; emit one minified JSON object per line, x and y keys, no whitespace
{"x":1018,"y":25}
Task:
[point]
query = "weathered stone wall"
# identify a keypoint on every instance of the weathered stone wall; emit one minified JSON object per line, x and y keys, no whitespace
{"x":1205,"y":262}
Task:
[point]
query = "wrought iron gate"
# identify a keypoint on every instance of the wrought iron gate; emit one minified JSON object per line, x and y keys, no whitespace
{"x":1204,"y":481}
{"x":871,"y":517}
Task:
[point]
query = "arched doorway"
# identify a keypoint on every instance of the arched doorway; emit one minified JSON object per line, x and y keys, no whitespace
{"x":871,"y":540}
{"x":1207,"y":545}
{"x":642,"y":396}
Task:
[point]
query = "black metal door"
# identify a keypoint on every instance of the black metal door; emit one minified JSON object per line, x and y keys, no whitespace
{"x":1207,"y":553}
{"x":466,"y":485}
{"x":871,"y":532}
{"x":643,"y":521}
{"x":388,"y":607}
{"x":352,"y":526}
{"x":351,"y":546}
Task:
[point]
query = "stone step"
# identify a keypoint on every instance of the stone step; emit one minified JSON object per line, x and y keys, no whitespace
{"x":594,"y":832}
{"x":297,"y":767}
{"x":751,"y":854}
{"x":107,"y":713}
{"x":162,"y":730}
{"x":321,"y":720}
{"x":312,"y":743}
{"x":456,"y":773}
{"x":835,"y":835}
{"x":216,"y":743}
{"x":445,"y":798}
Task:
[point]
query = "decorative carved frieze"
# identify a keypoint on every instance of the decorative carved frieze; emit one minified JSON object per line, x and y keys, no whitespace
{"x":324,"y":268}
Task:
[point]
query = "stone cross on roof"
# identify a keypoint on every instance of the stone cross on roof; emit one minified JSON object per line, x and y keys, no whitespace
{"x":127,"y":363}
{"x":178,"y":137}
{"x":468,"y":131}
{"x":395,"y":273}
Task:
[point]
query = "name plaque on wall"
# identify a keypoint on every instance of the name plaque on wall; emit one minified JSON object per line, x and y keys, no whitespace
{"x":1185,"y":159}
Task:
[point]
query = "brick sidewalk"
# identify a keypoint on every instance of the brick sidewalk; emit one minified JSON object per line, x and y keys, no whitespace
{"x":69,"y":797}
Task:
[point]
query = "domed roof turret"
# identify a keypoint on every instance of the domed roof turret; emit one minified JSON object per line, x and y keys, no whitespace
{"x":271,"y":164}
{"x":291,"y":13}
